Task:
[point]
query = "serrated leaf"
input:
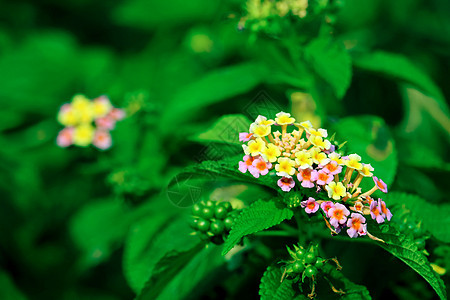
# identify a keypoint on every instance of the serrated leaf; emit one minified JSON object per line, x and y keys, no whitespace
{"x":225,"y":130}
{"x":351,"y":289}
{"x":369,"y":137}
{"x":271,"y":286}
{"x":258,"y":216}
{"x":331,"y":62}
{"x":164,"y":271}
{"x":435,"y":218}
{"x":406,"y":250}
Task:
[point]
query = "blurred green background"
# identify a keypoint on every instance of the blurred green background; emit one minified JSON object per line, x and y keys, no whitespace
{"x":177,"y":67}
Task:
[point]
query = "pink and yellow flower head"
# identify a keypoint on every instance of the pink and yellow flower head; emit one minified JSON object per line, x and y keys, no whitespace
{"x":338,"y":215}
{"x":326,"y":206}
{"x":259,"y":167}
{"x":245,"y":136}
{"x":286,"y":183}
{"x":246,"y":163}
{"x":310,"y":205}
{"x":78,"y":116}
{"x":356,"y":225}
{"x":304,"y":154}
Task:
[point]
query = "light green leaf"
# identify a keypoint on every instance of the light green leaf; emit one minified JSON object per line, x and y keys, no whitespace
{"x":271,"y":286}
{"x":331,"y":62}
{"x":258,"y":216}
{"x":369,"y":137}
{"x":435,"y":218}
{"x":406,"y":250}
{"x":226,"y":130}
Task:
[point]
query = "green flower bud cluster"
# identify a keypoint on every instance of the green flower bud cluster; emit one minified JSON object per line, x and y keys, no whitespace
{"x":306,"y":262}
{"x":212,"y":220}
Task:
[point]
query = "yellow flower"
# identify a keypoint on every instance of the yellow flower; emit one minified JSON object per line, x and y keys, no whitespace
{"x":318,"y":157}
{"x":67,"y":116}
{"x":261,"y":120}
{"x":254,"y":147}
{"x":319,"y":142}
{"x":83,"y":135}
{"x":303,"y":159}
{"x":260,"y":130}
{"x":307,"y":125}
{"x":353,"y":162}
{"x":101,"y":107}
{"x":80,"y":102}
{"x":335,"y":190}
{"x":284,"y":118}
{"x":366,"y":170}
{"x":336,"y":157}
{"x":85,"y":115}
{"x":319,"y":132}
{"x":271,"y":153}
{"x":285,"y":167}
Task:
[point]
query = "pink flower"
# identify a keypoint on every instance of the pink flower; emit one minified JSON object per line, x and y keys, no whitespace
{"x":244,"y":165}
{"x":65,"y":137}
{"x":380,"y":184}
{"x":326,"y":206}
{"x":356,"y":225}
{"x":332,"y":149}
{"x":384,"y":210}
{"x":375,"y":212}
{"x":107,"y":123}
{"x":286,"y":183}
{"x":259,"y":167}
{"x":245,"y":136}
{"x":117,"y":114}
{"x":310,"y":205}
{"x":307,"y":177}
{"x":102,"y":139}
{"x":323,"y":178}
{"x":338,"y":214}
{"x":332,"y":168}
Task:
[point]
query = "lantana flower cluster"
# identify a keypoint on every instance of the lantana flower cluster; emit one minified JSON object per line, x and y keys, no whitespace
{"x":88,"y":122}
{"x":306,"y":154}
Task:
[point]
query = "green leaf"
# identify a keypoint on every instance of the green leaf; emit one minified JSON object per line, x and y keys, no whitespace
{"x":406,"y":250}
{"x":369,"y":137}
{"x":399,"y":67}
{"x":164,"y":271}
{"x":226,"y":130}
{"x":147,"y":243}
{"x":331,"y":62}
{"x":258,"y":216}
{"x":352,"y":290}
{"x":216,"y":86}
{"x":9,"y":291}
{"x":202,"y":272}
{"x":435,"y":218}
{"x":271,"y":286}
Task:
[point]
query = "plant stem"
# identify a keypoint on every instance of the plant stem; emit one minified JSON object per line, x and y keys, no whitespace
{"x":275,"y":233}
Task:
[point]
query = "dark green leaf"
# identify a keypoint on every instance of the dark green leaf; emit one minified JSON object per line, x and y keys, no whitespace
{"x":271,"y":286}
{"x":352,"y":290}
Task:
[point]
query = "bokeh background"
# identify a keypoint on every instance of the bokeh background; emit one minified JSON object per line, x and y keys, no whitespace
{"x":177,"y":67}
